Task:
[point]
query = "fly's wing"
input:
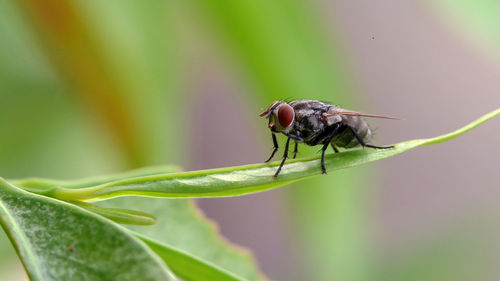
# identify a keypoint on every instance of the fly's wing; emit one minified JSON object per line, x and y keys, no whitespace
{"x":338,"y":112}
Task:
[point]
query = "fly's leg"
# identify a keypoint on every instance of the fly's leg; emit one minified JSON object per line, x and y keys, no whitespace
{"x":285,"y":155}
{"x":323,"y":169}
{"x":325,"y":146}
{"x":275,"y":143}
{"x":363,"y":144}
{"x":334,"y":148}
{"x":295,"y":150}
{"x":379,"y":147}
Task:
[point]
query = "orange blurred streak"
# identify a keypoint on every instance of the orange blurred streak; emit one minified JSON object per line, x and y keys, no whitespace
{"x":69,"y":43}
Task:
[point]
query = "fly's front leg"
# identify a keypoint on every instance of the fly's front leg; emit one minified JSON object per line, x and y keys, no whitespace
{"x":285,"y":155}
{"x":275,"y":143}
{"x":363,"y":144}
{"x":295,"y":150}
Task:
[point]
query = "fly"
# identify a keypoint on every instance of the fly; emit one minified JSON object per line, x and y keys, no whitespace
{"x":317,"y":123}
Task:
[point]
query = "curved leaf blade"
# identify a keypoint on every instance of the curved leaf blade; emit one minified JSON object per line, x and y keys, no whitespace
{"x":58,"y":241}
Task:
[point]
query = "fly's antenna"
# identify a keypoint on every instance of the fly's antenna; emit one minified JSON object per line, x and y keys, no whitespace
{"x":270,"y":109}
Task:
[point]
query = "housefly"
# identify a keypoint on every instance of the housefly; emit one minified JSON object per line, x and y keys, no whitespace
{"x":317,"y":123}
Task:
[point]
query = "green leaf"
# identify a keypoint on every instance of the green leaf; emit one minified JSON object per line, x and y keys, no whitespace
{"x":241,"y":180}
{"x":58,"y":241}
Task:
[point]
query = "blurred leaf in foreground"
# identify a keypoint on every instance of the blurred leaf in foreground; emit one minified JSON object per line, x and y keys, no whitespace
{"x":58,"y":241}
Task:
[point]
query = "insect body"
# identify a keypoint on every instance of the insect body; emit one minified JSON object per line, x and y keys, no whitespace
{"x":317,"y":123}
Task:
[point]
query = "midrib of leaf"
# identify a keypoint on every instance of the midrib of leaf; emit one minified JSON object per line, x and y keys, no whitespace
{"x":241,"y":180}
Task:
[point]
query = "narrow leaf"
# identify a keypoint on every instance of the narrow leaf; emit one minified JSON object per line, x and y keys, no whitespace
{"x":121,"y":216}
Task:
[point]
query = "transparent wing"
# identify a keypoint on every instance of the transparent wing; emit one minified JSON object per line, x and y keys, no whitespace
{"x":341,"y":111}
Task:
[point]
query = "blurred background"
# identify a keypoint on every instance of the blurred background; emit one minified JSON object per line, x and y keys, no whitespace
{"x":94,"y":87}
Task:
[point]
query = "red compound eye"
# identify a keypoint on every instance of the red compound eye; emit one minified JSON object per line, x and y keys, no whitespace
{"x":285,"y":115}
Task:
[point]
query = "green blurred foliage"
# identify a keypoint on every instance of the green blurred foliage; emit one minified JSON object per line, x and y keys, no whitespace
{"x":38,"y":114}
{"x":288,"y":54}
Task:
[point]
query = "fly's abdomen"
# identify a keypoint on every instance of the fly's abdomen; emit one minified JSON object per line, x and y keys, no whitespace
{"x":346,"y":138}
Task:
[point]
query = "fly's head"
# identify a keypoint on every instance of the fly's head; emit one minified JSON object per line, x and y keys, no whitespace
{"x":281,"y":117}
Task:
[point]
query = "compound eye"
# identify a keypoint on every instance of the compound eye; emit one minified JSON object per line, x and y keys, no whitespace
{"x":285,"y":115}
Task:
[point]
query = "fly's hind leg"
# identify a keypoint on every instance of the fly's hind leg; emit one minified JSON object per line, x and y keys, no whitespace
{"x":378,"y":147}
{"x":323,"y":169}
{"x":363,"y":144}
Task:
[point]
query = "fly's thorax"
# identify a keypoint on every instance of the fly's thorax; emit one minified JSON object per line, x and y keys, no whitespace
{"x":310,"y":113}
{"x":309,"y":125}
